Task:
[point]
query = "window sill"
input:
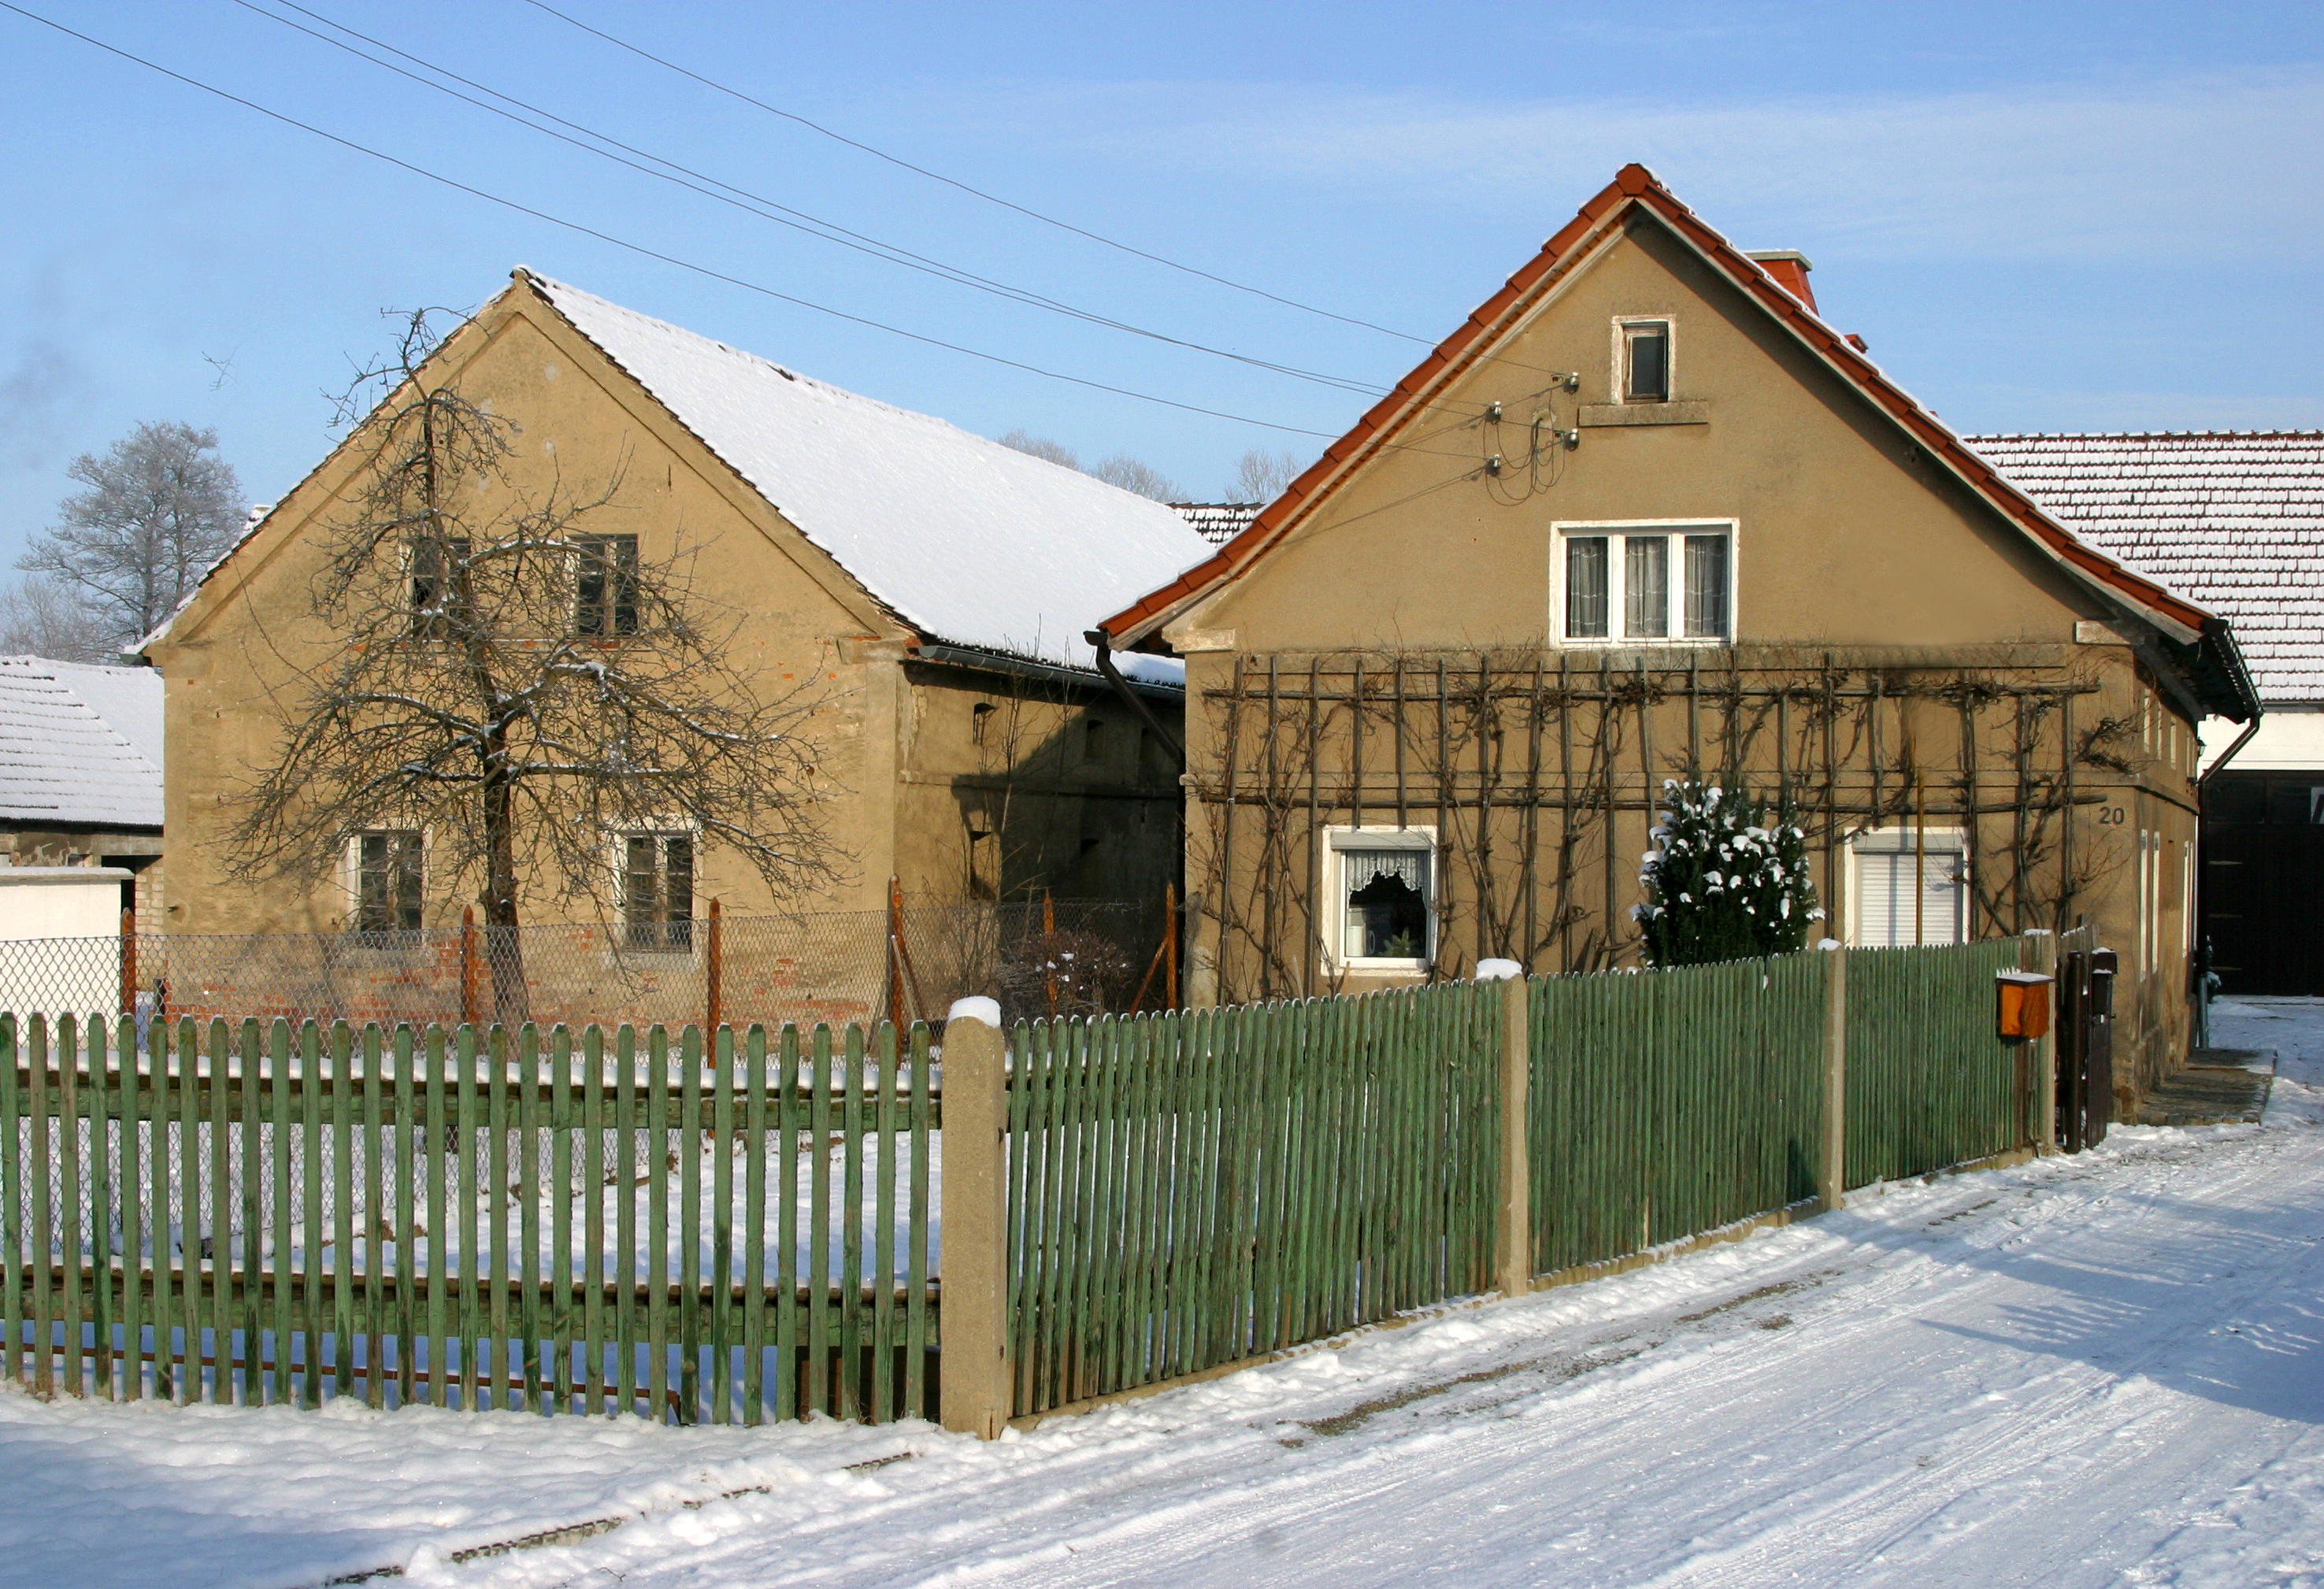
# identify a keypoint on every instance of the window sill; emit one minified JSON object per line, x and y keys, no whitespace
{"x":1682,"y":643}
{"x":1397,"y":968}
{"x":1692,"y":411}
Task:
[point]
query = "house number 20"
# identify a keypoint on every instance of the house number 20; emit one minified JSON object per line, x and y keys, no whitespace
{"x":2111,"y":816}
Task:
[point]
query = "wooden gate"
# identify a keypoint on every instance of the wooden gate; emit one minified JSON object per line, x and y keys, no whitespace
{"x":2085,"y":1047}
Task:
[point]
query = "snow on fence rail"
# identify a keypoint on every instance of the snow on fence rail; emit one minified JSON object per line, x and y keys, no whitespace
{"x":561,"y":1221}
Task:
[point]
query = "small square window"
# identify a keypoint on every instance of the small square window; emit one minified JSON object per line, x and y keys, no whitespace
{"x":1664,"y":584}
{"x":658,"y":890}
{"x":1385,"y":885}
{"x":1646,"y":361}
{"x":388,"y":880}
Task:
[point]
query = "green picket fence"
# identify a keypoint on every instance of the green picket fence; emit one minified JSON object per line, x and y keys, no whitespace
{"x":1185,"y":1191}
{"x":583,"y":1221}
{"x":1929,"y":1083}
{"x":1669,"y":1103}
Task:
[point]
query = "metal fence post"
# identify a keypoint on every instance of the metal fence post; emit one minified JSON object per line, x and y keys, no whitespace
{"x":1831,"y":1178}
{"x":1513,"y":1249}
{"x":974,"y":1380}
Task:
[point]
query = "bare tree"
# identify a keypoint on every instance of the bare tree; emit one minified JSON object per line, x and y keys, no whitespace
{"x":161,"y":507}
{"x":519,"y":686}
{"x":1260,"y":475}
{"x":1132,"y":474}
{"x":1040,"y":446}
{"x":41,"y":618}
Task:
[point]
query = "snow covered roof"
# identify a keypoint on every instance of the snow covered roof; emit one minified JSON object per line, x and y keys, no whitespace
{"x":80,"y":746}
{"x":964,"y":539}
{"x":2233,"y":521}
{"x":1217,"y":522}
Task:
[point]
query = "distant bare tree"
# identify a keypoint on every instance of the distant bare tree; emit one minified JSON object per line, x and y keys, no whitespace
{"x":517,"y":685}
{"x":1040,"y":446}
{"x":161,"y":507}
{"x":1260,"y":475}
{"x":1131,"y":474}
{"x":41,"y":618}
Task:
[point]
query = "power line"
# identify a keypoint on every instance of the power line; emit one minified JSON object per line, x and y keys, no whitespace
{"x":745,"y":199}
{"x":641,"y":250}
{"x":1046,"y":220}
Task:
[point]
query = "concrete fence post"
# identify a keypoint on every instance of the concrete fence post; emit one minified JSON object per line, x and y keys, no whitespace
{"x":1832,"y":1175}
{"x":1512,"y":1250}
{"x":974,"y":1385}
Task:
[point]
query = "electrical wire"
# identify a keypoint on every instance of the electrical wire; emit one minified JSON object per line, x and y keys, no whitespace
{"x":644,"y":251}
{"x":995,"y":198}
{"x":750,"y":203}
{"x":1046,"y":220}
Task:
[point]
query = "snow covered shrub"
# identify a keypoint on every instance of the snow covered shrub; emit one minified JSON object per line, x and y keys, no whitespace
{"x":1726,"y":879}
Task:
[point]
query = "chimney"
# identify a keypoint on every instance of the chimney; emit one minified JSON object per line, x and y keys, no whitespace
{"x":1790,"y":268}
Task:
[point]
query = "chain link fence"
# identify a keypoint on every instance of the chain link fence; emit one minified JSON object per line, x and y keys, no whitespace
{"x":1038,"y":958}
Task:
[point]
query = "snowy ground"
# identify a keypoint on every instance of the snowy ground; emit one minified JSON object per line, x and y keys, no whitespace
{"x":2103,"y":1370}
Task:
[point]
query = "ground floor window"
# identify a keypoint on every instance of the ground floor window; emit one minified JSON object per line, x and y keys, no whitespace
{"x":658,"y":890}
{"x":388,"y":868}
{"x":1382,"y":886}
{"x":1910,"y":887}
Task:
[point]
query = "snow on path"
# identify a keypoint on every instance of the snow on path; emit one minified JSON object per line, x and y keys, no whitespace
{"x":2101,"y":1370}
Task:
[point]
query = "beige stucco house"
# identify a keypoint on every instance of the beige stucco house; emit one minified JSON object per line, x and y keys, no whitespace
{"x":1646,"y":509}
{"x":929,"y":588}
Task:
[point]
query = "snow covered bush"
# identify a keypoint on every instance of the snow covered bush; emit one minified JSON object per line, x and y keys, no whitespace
{"x":1726,"y":879}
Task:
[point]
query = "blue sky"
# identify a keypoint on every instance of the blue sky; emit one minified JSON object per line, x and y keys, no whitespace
{"x":2041,"y":216}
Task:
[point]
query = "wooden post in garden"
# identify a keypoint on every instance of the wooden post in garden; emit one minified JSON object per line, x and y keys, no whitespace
{"x":129,"y":966}
{"x":974,"y":1384}
{"x":713,"y":974}
{"x":468,"y":964}
{"x":1831,"y":1173}
{"x":2040,"y":954}
{"x":1513,"y":1246}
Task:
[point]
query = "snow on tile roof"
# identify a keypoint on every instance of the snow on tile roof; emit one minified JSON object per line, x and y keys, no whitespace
{"x":1217,"y":522}
{"x":965,"y":539}
{"x":2233,"y":521}
{"x":80,"y":746}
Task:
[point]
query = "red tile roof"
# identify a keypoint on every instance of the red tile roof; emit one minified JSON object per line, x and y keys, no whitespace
{"x":1636,"y":187}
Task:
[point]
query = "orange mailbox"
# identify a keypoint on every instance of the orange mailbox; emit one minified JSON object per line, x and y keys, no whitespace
{"x":2024,"y":1005}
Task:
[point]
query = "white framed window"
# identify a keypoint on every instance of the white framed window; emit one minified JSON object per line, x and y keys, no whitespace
{"x":387,"y":877}
{"x":658,"y":890}
{"x":1645,"y":356}
{"x":1658,"y":581}
{"x":1381,"y":891}
{"x":1908,"y":886}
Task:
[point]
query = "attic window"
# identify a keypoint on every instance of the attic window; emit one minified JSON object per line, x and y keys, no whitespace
{"x":1646,"y":359}
{"x":439,"y":563}
{"x":605,"y":586}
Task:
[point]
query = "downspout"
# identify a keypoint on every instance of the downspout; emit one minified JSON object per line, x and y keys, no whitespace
{"x":2225,"y":755}
{"x":1104,"y":646}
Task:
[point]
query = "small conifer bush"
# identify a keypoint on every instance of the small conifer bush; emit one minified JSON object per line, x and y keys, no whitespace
{"x":1726,"y":879}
